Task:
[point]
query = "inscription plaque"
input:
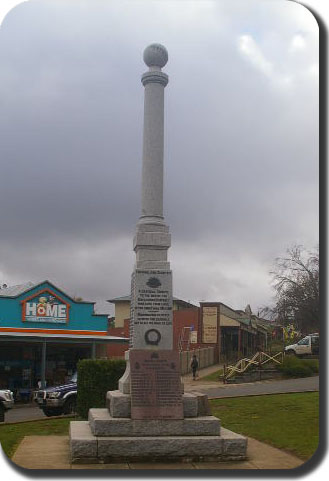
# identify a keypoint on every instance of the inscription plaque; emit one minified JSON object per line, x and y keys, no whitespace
{"x":155,"y":385}
{"x":151,"y":309}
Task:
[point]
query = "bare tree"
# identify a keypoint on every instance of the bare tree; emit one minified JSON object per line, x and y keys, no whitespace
{"x":296,"y":282}
{"x":268,"y":312}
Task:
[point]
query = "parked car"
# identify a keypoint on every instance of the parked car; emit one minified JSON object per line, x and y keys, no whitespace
{"x":6,"y":402}
{"x":307,"y":346}
{"x":57,"y":400}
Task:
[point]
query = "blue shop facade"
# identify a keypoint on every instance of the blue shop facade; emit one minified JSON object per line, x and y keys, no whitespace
{"x":44,"y":333}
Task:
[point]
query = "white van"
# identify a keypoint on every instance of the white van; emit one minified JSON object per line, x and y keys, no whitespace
{"x":307,"y":346}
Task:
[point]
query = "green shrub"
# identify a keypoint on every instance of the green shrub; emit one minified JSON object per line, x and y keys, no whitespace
{"x":313,"y":364}
{"x":292,"y":366}
{"x":95,"y":378}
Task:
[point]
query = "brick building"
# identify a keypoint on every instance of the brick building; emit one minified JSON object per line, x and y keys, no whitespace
{"x":232,"y":333}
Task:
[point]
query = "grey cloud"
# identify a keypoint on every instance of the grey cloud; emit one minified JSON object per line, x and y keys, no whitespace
{"x":241,"y":156}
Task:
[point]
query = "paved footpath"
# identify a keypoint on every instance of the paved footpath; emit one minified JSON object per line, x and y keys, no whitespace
{"x":216,"y":389}
{"x":52,"y":452}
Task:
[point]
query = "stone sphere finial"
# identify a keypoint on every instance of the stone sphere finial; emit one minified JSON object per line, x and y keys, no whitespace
{"x":155,"y":55}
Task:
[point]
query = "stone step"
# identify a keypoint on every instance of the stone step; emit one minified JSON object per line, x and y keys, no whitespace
{"x":87,"y":448}
{"x":194,"y":404}
{"x":103,"y":424}
{"x":203,"y":406}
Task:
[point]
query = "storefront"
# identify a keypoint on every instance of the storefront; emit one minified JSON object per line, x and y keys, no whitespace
{"x":233,"y":333}
{"x":44,"y":333}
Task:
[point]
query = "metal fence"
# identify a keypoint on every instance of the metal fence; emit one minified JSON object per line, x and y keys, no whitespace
{"x":205,"y":357}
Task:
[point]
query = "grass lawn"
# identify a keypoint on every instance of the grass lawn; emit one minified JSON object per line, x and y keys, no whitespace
{"x":286,"y":421}
{"x":214,"y":376}
{"x":12,"y":434}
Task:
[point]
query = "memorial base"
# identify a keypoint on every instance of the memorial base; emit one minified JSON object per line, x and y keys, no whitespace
{"x":111,"y":436}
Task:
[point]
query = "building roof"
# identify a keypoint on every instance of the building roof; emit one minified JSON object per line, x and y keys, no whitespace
{"x":14,"y":291}
{"x":244,"y":320}
{"x":120,"y":299}
{"x":128,"y":298}
{"x":219,"y":303}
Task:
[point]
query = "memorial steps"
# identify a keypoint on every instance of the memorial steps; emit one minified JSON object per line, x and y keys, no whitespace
{"x":110,"y":435}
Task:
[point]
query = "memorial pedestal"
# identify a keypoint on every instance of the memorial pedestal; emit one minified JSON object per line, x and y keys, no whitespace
{"x":111,"y":435}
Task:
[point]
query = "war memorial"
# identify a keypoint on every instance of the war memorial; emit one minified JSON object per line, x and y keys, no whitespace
{"x":150,"y":417}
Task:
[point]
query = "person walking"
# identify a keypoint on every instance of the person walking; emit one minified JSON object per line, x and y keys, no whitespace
{"x":194,"y":366}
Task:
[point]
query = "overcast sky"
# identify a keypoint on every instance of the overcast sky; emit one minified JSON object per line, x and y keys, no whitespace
{"x":241,"y":142}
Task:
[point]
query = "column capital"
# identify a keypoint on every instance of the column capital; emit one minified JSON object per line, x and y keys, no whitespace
{"x":155,"y":76}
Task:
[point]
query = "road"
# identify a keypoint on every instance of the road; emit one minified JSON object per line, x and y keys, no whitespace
{"x":23,"y":413}
{"x":31,"y":412}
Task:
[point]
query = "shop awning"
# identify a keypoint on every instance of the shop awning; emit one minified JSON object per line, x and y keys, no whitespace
{"x":62,"y":338}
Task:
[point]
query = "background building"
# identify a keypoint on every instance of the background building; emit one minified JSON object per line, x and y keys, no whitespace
{"x":43,"y":334}
{"x":232,"y":333}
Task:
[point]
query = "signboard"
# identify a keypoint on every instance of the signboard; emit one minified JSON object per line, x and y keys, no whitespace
{"x":156,"y":390}
{"x":193,"y":337}
{"x":209,"y":325}
{"x":45,"y":306}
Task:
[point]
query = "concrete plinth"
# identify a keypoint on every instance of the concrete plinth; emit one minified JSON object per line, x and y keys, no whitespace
{"x":203,"y":406}
{"x":194,"y":404}
{"x":112,"y":436}
{"x":109,"y":438}
{"x":102,"y":424}
{"x":119,"y":404}
{"x":82,"y":443}
{"x":88,"y":448}
{"x":157,"y":448}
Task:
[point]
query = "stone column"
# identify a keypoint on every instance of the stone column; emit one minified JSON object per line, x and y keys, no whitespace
{"x":151,"y":284}
{"x":151,"y":293}
{"x":154,"y":82}
{"x":152,"y":238}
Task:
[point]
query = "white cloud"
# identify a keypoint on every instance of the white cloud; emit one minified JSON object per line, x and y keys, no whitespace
{"x":297,"y":43}
{"x":252,"y":51}
{"x":280,"y":64}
